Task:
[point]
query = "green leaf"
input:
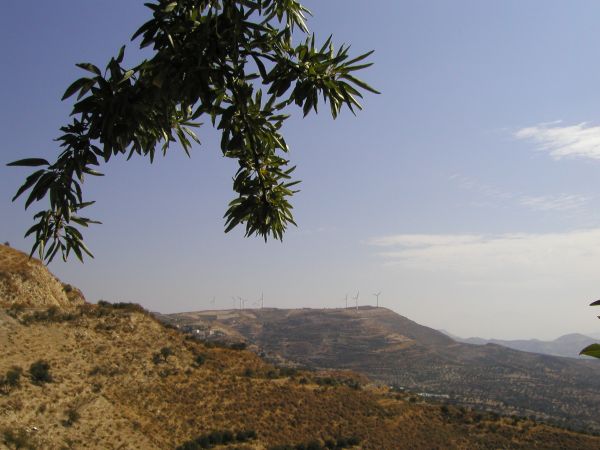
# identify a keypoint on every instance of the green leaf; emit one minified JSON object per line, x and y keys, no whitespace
{"x":75,"y":86}
{"x":170,"y":7}
{"x":121,"y":54}
{"x":591,"y":350}
{"x":29,"y":162}
{"x":90,"y":68}
{"x":360,"y":58}
{"x":30,"y":181}
{"x":361,"y":83}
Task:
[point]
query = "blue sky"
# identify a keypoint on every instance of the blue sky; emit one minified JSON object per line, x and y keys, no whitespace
{"x":467,"y":192}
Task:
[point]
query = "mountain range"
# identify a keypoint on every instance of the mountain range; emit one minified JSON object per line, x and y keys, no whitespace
{"x":568,"y":345}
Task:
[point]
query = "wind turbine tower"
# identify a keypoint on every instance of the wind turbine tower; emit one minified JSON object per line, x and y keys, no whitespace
{"x":356,"y":300}
{"x":242,"y":302}
{"x":377,"y":296}
{"x":346,"y":301}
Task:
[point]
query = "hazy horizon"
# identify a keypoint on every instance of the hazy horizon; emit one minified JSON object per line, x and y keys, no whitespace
{"x":466,"y":192}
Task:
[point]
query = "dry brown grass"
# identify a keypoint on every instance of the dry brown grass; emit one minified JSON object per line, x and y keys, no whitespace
{"x":102,"y":365}
{"x":26,"y":282}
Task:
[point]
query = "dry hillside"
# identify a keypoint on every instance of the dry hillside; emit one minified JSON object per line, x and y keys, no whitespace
{"x":118,"y":379}
{"x":26,"y":282}
{"x":393,"y":349}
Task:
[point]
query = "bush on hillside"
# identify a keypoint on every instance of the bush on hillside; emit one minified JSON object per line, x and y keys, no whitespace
{"x":162,"y":356}
{"x":39,"y":372}
{"x":123,"y":306}
{"x":329,"y":444}
{"x":216,"y":438}
{"x":11,"y":380}
{"x":50,"y":315}
{"x":199,"y":360}
{"x":71,"y":416}
{"x":238,"y":346}
{"x":19,"y":439}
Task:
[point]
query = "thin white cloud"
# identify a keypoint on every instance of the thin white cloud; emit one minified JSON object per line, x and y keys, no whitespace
{"x":495,"y":196}
{"x":507,"y":258}
{"x":581,"y":140}
{"x":561,"y":202}
{"x":423,"y":240}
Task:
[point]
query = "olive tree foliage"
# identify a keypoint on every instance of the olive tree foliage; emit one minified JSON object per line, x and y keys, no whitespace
{"x":593,"y":349}
{"x":233,"y":63}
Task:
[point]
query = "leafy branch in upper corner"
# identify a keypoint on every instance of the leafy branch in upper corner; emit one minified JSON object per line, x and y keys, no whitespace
{"x":593,"y":349}
{"x":232,"y":61}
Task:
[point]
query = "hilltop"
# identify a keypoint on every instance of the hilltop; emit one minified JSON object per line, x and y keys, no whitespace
{"x":25,"y":282}
{"x":111,"y":376}
{"x":395,"y":350}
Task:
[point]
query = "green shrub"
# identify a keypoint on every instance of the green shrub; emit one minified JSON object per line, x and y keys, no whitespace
{"x":15,"y":309}
{"x":216,"y":438}
{"x":52,"y":314}
{"x":72,"y":416}
{"x":199,"y":360}
{"x":445,"y":410}
{"x":331,"y":444}
{"x":11,"y":380}
{"x":246,"y":435}
{"x":19,"y":439}
{"x":39,"y":372}
{"x":13,"y":376}
{"x":123,"y":306}
{"x":162,"y":355}
{"x":165,"y":352}
{"x":238,"y":346}
{"x":288,"y":372}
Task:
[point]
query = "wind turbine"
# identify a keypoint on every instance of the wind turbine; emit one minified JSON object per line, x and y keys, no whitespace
{"x":234,"y":301}
{"x":346,"y":301}
{"x":377,"y":295}
{"x":242,"y":302}
{"x":356,"y":300}
{"x":212,"y":302}
{"x":262,"y":300}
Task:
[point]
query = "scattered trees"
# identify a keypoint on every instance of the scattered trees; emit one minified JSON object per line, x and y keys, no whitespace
{"x":215,"y":438}
{"x":328,"y":444}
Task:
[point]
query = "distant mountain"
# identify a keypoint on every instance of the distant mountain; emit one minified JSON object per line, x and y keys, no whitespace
{"x":395,"y":350}
{"x":568,"y":345}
